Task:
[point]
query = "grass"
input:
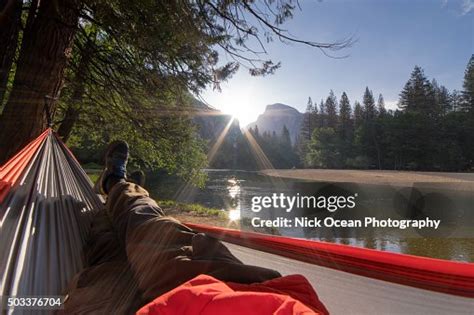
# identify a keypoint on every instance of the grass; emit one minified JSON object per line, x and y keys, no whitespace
{"x":92,"y":166}
{"x":93,"y":170}
{"x":170,"y":206}
{"x":94,"y":176}
{"x":192,"y":208}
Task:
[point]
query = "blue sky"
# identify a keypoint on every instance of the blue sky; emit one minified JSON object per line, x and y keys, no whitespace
{"x":393,"y":36}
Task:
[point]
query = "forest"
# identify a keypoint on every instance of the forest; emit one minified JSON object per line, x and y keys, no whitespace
{"x":431,"y":130}
{"x":97,"y":70}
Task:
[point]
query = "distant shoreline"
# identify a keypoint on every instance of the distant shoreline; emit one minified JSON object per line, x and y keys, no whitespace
{"x":453,"y":181}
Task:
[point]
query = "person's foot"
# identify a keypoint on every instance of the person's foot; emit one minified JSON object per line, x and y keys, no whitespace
{"x":116,"y":159}
{"x":137,"y":177}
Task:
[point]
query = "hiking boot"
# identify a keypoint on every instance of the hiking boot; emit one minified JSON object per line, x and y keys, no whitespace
{"x":115,"y":170}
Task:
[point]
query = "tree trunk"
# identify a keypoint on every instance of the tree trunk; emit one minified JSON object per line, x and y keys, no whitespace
{"x":75,"y":106}
{"x":70,"y":118}
{"x":40,"y":71}
{"x":10,"y":20}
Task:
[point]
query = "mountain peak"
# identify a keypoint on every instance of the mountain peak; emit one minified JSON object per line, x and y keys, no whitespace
{"x":278,"y":115}
{"x":280,"y":107}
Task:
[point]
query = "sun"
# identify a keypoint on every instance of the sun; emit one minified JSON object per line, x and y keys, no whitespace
{"x":244,"y":114}
{"x":242,"y":101}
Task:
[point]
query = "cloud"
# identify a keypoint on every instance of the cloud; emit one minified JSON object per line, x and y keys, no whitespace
{"x":467,"y":6}
{"x":461,"y":7}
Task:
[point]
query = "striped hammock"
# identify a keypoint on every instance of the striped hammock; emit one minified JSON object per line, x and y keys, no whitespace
{"x":46,"y":203}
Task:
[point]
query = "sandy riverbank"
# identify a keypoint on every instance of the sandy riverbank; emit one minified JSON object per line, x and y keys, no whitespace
{"x":197,"y":218}
{"x":456,"y":181}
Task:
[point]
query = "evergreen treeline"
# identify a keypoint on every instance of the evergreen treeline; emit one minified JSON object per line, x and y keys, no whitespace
{"x":433,"y":129}
{"x":233,"y":152}
{"x":277,"y":147}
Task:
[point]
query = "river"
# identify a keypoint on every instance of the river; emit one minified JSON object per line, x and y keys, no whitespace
{"x":233,"y":191}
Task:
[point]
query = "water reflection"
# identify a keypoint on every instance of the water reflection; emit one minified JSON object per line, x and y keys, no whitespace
{"x":233,"y":188}
{"x":233,"y":191}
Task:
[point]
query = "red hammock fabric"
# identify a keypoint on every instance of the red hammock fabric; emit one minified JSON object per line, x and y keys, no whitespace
{"x":210,"y":296}
{"x":11,"y":171}
{"x":426,"y":273}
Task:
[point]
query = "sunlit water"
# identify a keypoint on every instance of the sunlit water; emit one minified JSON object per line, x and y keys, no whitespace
{"x":232,"y":191}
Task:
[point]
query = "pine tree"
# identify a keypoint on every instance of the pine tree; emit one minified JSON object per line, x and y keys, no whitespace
{"x":442,"y":97}
{"x":367,"y":139}
{"x":468,"y":87}
{"x":370,"y":112}
{"x":314,"y":118}
{"x":285,"y":139}
{"x":287,"y":155}
{"x":307,"y":125}
{"x":331,"y":110}
{"x":255,"y":132}
{"x":346,"y":126}
{"x":358,"y":115}
{"x":322,"y":108}
{"x":323,"y":149}
{"x":457,"y":101}
{"x":418,"y":94}
{"x":381,"y":106}
{"x":421,"y":116}
{"x":322,"y":115}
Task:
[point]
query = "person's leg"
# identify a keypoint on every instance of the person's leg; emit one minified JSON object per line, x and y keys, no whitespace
{"x":129,"y":205}
{"x":162,"y":252}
